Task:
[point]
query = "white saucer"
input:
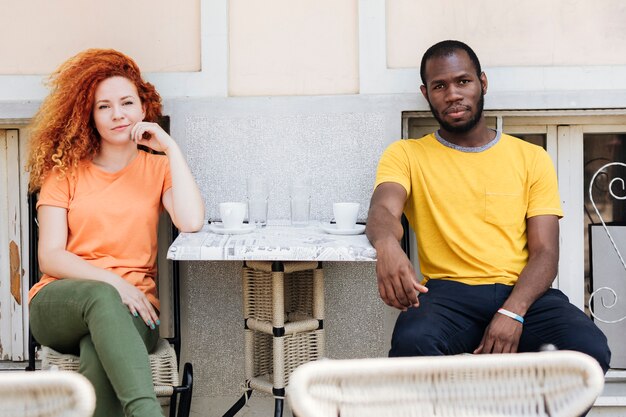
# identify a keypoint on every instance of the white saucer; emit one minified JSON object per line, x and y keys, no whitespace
{"x":332,"y":229}
{"x":219,"y":229}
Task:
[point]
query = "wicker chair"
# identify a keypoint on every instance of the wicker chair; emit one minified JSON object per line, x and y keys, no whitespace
{"x":555,"y":384}
{"x":49,"y":394}
{"x":164,"y":361}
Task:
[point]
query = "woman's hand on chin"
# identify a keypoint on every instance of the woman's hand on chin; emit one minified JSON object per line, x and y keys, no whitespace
{"x":151,"y":135}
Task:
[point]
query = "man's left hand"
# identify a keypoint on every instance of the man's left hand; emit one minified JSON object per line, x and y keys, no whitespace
{"x":501,"y":336}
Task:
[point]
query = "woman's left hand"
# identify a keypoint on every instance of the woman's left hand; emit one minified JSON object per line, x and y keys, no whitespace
{"x":151,"y":135}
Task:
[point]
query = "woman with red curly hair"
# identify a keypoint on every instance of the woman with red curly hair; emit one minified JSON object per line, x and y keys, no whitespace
{"x":99,"y":202}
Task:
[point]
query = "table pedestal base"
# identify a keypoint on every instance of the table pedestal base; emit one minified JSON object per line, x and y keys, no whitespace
{"x":284,"y":325}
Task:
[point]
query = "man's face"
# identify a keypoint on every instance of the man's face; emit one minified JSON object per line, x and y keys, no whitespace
{"x":455,"y":93}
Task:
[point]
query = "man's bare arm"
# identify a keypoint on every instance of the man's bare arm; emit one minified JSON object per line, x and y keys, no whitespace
{"x":397,"y":281}
{"x":503,"y":333}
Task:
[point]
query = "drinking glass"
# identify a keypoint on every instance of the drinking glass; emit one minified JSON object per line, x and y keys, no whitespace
{"x":300,"y":200}
{"x":258,"y":194}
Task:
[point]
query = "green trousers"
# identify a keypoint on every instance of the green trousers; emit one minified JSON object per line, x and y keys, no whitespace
{"x":88,"y":319}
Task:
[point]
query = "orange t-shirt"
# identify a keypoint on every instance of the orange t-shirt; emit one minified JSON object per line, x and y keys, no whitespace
{"x":112,"y":218}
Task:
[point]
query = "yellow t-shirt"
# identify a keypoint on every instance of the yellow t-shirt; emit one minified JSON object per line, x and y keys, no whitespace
{"x":469,"y":209}
{"x":112,"y":218}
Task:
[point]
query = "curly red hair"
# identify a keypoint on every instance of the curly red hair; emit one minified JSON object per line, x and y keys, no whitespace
{"x":63,"y":131}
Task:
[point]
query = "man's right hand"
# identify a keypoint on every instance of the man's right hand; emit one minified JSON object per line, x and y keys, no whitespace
{"x":397,"y":281}
{"x":398,"y":284}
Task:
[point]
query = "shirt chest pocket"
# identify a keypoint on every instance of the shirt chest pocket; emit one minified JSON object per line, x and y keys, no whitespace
{"x":504,"y":208}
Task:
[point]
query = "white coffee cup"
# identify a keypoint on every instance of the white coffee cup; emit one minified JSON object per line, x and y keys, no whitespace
{"x":232,"y":214}
{"x":345,"y":215}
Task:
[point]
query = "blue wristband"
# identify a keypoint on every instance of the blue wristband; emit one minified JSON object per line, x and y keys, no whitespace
{"x":511,"y":315}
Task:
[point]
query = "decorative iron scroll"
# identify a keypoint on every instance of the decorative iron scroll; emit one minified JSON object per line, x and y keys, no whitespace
{"x":606,"y":305}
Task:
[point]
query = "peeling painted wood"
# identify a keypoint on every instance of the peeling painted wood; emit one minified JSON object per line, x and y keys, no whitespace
{"x":5,"y":293}
{"x":23,"y":140}
{"x":15,"y":269}
{"x":14,"y":171}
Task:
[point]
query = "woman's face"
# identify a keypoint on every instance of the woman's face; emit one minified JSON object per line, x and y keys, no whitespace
{"x":116,"y":109}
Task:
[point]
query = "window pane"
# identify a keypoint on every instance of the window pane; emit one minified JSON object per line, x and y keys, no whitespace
{"x":603,"y":267}
{"x":601,"y":149}
{"x":534,"y":138}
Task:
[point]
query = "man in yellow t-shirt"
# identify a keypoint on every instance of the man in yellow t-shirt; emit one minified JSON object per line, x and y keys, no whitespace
{"x":485,"y":209}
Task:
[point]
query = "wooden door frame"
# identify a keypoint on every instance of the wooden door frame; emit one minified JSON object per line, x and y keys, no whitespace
{"x":13,"y":245}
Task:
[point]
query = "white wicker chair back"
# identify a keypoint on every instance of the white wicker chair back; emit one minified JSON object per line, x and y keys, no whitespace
{"x":546,"y":384}
{"x":46,"y":393}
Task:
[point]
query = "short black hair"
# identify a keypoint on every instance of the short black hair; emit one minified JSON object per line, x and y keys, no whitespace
{"x":447,"y":48}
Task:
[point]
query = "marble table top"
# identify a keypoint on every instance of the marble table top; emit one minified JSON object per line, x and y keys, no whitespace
{"x":278,"y":241}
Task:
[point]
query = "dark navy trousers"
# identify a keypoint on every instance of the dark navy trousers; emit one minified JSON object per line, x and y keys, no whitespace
{"x":452,"y":318}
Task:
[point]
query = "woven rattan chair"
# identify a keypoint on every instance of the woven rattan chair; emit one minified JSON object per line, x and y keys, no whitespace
{"x":554,"y":384}
{"x":164,"y":361}
{"x":49,"y":394}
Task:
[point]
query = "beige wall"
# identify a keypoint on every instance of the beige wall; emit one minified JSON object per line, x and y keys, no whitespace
{"x":293,"y":47}
{"x":37,"y":35}
{"x":319,"y":47}
{"x":510,"y":33}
